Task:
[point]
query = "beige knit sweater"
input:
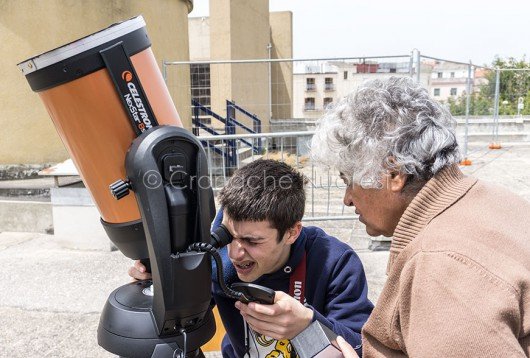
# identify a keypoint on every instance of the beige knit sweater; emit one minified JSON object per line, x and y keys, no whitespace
{"x":458,"y":275}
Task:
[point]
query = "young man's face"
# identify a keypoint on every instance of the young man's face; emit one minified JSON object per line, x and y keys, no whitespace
{"x":255,"y":249}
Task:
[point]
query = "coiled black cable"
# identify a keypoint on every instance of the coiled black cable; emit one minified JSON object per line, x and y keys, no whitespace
{"x":205,"y":247}
{"x":182,"y":352}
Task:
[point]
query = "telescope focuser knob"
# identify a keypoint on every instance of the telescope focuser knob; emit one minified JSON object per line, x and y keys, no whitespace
{"x":120,"y":188}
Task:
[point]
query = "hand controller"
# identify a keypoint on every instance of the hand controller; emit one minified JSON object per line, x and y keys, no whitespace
{"x":254,"y":293}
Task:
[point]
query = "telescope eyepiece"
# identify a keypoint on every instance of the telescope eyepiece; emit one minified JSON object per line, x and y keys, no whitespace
{"x":221,"y":237}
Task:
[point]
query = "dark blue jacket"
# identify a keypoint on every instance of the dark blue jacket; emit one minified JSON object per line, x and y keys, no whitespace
{"x":336,"y":289}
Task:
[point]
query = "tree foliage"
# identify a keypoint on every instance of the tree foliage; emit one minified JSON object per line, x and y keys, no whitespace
{"x":513,"y":85}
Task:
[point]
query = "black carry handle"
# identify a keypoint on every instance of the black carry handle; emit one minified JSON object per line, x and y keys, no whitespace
{"x":129,"y":88}
{"x":131,"y":93}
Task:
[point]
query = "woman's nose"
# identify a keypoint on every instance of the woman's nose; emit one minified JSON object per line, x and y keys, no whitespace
{"x":347,"y":198}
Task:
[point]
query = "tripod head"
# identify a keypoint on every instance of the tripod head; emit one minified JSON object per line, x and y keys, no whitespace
{"x":166,"y":169}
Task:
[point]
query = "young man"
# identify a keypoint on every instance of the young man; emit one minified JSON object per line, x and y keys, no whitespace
{"x":263,"y":205}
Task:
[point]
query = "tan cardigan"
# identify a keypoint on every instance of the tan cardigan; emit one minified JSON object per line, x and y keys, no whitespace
{"x":458,"y":276}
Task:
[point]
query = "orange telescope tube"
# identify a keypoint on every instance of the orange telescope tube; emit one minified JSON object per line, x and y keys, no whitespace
{"x":78,"y":84}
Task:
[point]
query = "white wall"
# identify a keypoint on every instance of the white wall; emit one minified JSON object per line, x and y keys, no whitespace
{"x":199,"y":34}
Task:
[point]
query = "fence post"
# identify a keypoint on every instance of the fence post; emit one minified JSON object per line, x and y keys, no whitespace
{"x":269,"y":48}
{"x":259,"y":139}
{"x":468,"y":99}
{"x":195,"y":119}
{"x":231,"y":129}
{"x":411,"y":64}
{"x":418,"y":66}
{"x":164,"y":71}
{"x":495,"y":144}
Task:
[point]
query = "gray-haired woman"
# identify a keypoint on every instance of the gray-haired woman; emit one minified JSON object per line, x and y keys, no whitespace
{"x":459,"y":269}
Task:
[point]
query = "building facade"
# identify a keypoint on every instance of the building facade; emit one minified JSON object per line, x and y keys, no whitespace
{"x":236,"y":31}
{"x":449,"y":80}
{"x":317,"y":85}
{"x":31,"y":27}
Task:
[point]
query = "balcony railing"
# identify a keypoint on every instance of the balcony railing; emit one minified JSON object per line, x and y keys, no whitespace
{"x":310,"y":87}
{"x":309,"y":107}
{"x":329,"y":87}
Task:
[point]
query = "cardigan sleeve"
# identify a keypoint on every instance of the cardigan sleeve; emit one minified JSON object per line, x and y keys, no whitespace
{"x":450,"y":306}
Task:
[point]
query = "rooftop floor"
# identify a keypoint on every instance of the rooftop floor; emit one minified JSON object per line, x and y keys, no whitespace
{"x":52,"y":296}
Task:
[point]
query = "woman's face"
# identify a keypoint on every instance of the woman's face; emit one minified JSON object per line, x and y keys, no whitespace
{"x":378,"y":209}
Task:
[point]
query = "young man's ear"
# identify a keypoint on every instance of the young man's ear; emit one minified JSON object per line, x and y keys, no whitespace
{"x":293,"y":233}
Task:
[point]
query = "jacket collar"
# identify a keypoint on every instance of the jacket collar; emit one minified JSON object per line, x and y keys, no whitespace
{"x":438,"y":194}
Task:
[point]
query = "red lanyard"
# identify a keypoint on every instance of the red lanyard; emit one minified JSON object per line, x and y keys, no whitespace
{"x":296,"y":290}
{"x":297,"y":281}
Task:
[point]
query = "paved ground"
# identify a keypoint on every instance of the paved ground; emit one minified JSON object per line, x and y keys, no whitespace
{"x":51,"y":296}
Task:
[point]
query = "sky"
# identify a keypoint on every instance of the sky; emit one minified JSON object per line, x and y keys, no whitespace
{"x":458,"y":30}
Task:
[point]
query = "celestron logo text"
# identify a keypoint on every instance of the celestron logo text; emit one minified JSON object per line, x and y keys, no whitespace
{"x":136,"y":105}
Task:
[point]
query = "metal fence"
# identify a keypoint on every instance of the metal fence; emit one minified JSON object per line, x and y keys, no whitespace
{"x":290,"y":94}
{"x":285,"y":94}
{"x":248,"y":109}
{"x":324,"y":188}
{"x":488,"y":102}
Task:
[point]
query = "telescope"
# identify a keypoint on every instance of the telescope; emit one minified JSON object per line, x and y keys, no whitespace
{"x":149,"y":180}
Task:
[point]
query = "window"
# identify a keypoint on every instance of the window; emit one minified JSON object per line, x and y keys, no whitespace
{"x":328,"y":84}
{"x":327,"y":101}
{"x":200,"y":83}
{"x":309,"y":104}
{"x":436,"y":91}
{"x":310,"y":84}
{"x":440,"y":74}
{"x":452,"y":75}
{"x":200,"y":91}
{"x":345,"y":75}
{"x":453,"y":91}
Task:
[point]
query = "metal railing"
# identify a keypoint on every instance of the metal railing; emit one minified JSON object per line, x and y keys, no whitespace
{"x":232,"y":123}
{"x":228,"y":150}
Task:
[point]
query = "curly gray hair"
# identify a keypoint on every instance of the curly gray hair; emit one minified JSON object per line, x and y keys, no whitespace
{"x":390,"y":125}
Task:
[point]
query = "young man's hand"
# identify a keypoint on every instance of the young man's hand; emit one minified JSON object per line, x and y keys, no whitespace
{"x":138,"y":271}
{"x":282,"y":320}
{"x":346,"y":348}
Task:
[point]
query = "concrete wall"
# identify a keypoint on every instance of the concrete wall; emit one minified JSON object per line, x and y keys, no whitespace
{"x":199,"y":38}
{"x":282,"y":73}
{"x":27,"y":216}
{"x":76,"y":220}
{"x":241,"y":30}
{"x":30,"y":27}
